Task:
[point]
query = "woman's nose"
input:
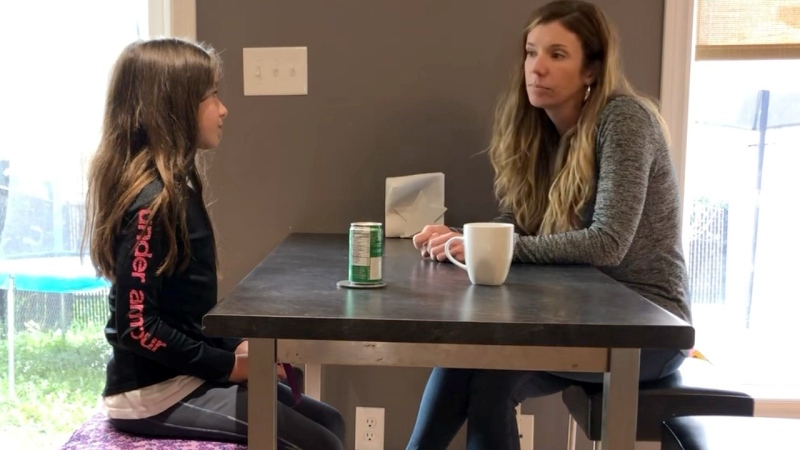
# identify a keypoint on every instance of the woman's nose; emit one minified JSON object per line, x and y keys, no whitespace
{"x":538,"y":65}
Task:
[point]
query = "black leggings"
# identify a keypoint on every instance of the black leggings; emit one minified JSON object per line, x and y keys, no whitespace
{"x":218,"y":412}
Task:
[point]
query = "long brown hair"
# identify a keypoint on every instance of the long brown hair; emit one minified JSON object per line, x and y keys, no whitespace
{"x":150,"y":132}
{"x":545,"y":179}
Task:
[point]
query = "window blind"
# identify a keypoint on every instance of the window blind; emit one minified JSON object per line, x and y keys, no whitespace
{"x":748,"y":29}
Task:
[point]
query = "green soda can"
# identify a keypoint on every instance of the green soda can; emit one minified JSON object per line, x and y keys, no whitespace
{"x":366,"y":253}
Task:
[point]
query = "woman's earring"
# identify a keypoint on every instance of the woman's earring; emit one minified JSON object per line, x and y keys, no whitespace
{"x":588,"y":91}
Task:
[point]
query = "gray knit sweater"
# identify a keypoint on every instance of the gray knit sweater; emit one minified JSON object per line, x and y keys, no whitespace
{"x":632,"y":226}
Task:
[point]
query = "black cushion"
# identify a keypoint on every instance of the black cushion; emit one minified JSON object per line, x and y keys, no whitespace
{"x":728,"y":433}
{"x":697,"y":389}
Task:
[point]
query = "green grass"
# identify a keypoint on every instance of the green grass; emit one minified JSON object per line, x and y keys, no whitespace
{"x":58,"y":385}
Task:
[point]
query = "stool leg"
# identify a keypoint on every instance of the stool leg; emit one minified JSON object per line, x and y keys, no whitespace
{"x":597,"y":445}
{"x":572,"y":433}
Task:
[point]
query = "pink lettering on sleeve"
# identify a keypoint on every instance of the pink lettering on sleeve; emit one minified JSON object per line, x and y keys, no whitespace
{"x":141,"y":258}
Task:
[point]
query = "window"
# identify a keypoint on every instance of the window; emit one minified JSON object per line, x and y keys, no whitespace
{"x":52,"y":349}
{"x":742,"y":151}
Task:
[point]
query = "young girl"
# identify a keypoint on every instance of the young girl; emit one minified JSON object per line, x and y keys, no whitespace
{"x":151,"y":236}
{"x":582,"y":169}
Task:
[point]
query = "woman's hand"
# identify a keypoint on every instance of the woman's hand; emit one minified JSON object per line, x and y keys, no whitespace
{"x":421,"y":239}
{"x":430,"y":241}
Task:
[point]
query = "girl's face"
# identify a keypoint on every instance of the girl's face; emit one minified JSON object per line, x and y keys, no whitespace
{"x":210,"y":114}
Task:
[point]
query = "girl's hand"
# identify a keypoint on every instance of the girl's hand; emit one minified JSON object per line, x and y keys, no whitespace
{"x":240,"y":369}
{"x":281,"y":372}
{"x":242,"y":349}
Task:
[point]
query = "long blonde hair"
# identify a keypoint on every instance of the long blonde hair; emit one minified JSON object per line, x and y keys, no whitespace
{"x":150,"y":132}
{"x":545,"y":179}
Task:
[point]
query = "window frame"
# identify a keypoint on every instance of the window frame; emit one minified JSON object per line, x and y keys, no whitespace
{"x":678,"y":54}
{"x":177,"y":18}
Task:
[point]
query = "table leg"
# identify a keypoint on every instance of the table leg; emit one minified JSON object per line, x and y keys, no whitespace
{"x":262,"y":432}
{"x":621,"y":399}
{"x":313,"y":381}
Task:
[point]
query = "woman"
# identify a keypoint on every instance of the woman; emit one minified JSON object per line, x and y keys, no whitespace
{"x":582,"y":169}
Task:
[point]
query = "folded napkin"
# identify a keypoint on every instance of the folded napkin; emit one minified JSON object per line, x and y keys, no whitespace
{"x":412,"y":202}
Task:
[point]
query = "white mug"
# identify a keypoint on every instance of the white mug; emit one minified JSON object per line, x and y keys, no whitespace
{"x":488,"y":249}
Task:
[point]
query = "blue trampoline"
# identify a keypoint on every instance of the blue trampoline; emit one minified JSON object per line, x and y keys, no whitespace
{"x":56,"y":274}
{"x":53,"y":274}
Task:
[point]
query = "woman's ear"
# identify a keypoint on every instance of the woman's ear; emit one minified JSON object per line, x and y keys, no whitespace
{"x":590,"y":73}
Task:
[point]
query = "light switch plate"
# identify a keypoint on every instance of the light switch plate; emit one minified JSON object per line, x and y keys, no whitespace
{"x":275,"y":71}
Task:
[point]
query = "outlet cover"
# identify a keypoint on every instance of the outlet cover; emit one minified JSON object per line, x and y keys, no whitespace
{"x":369,"y":434}
{"x":275,"y":71}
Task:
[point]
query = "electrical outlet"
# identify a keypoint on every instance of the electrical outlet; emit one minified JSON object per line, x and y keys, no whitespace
{"x":369,"y":428}
{"x":525,"y":426}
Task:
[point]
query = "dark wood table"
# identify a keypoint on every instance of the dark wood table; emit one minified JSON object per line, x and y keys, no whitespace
{"x":558,"y":318}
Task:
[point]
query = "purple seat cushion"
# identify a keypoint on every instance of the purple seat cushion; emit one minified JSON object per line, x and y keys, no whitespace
{"x":98,"y":434}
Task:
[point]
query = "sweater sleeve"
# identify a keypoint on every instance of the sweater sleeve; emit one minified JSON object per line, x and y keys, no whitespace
{"x":626,"y":151}
{"x":139,"y":294}
{"x":507,"y":216}
{"x":504,"y":217}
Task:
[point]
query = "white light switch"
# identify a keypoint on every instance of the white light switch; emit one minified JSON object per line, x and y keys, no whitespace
{"x":275,"y":71}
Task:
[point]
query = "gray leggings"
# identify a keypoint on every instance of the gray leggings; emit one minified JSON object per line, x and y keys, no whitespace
{"x":218,"y":412}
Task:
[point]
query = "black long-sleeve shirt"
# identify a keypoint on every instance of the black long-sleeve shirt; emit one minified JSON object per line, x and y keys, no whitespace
{"x":155,"y":324}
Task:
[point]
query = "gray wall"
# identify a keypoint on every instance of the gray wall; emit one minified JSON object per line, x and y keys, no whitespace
{"x":395,"y":88}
